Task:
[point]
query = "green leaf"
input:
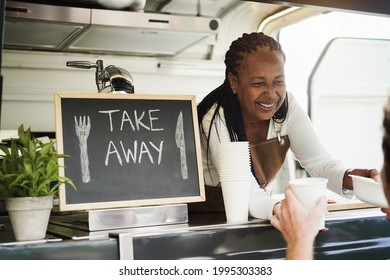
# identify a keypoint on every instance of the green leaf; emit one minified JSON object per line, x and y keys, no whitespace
{"x":29,"y":167}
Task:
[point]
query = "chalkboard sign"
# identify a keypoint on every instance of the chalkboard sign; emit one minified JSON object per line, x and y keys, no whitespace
{"x":128,"y":150}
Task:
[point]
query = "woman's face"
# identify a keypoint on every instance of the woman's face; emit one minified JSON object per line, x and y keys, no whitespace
{"x":259,"y":84}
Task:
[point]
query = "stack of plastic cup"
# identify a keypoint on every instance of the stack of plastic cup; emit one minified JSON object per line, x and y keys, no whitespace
{"x":234,"y":174}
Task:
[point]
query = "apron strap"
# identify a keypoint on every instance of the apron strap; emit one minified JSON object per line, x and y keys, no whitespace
{"x":278,"y":130}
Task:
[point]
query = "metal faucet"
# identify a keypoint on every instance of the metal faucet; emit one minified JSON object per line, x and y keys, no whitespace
{"x":109,"y":79}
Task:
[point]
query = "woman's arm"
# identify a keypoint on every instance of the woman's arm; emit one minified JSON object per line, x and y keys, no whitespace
{"x":309,"y":150}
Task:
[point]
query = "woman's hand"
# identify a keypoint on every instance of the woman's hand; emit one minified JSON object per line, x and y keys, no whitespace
{"x":369,"y":173}
{"x":298,"y":225}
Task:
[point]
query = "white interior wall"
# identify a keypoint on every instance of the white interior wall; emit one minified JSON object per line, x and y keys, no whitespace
{"x":31,"y":79}
{"x":348,"y":99}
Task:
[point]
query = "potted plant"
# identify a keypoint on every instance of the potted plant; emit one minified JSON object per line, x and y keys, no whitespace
{"x":29,"y":180}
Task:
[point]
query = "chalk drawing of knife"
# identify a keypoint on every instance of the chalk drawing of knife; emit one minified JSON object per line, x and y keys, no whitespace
{"x":180,"y":143}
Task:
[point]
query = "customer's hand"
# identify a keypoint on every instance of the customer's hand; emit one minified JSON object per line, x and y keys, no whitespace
{"x":298,"y":225}
{"x":387,"y":212}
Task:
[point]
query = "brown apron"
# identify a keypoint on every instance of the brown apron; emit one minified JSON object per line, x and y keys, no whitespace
{"x":267,"y":159}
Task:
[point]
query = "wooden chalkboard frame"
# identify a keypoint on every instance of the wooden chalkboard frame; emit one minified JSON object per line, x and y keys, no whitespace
{"x":63,"y":135}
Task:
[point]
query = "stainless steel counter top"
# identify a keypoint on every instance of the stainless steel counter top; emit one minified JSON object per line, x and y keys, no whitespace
{"x":353,"y":234}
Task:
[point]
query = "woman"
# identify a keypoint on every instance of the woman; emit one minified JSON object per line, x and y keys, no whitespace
{"x":253,"y":105}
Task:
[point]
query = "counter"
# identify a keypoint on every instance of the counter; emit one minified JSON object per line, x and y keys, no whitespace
{"x":353,"y":234}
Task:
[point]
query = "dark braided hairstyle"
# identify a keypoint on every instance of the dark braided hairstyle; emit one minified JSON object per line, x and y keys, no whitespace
{"x":224,"y":97}
{"x":386,"y":148}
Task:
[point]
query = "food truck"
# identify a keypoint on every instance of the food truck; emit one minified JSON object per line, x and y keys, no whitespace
{"x":156,"y":52}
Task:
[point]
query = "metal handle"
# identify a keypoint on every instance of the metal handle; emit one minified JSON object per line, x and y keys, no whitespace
{"x":81,"y":64}
{"x":100,"y":78}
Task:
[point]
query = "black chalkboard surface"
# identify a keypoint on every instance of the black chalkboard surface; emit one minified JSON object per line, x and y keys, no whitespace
{"x":128,"y":150}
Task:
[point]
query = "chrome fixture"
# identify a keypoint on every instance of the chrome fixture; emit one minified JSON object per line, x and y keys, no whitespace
{"x":109,"y":79}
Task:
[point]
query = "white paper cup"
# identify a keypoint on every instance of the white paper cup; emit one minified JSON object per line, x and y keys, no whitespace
{"x":236,"y":200}
{"x":308,"y":191}
{"x":234,"y":161}
{"x":234,"y":174}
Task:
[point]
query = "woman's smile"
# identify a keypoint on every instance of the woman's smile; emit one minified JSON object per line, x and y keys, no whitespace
{"x":267,"y":106}
{"x":260,"y":84}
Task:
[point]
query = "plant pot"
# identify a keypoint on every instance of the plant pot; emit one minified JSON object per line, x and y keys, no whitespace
{"x":29,"y":216}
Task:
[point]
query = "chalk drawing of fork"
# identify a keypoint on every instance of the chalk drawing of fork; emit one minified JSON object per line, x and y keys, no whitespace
{"x":83,"y":127}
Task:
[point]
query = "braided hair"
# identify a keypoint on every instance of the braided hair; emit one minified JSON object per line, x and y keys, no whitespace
{"x":224,"y":97}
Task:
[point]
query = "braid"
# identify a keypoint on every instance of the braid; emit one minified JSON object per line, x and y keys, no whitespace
{"x":246,"y":44}
{"x":249,"y":43}
{"x":224,"y":97}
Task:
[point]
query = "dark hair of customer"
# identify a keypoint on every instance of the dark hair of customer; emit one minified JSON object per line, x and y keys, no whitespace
{"x":386,"y":151}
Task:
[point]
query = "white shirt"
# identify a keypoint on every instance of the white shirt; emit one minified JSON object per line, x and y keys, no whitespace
{"x":304,"y":143}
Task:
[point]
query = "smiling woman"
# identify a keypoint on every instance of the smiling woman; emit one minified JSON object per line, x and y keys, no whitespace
{"x":261,"y":71}
{"x":253,"y":105}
